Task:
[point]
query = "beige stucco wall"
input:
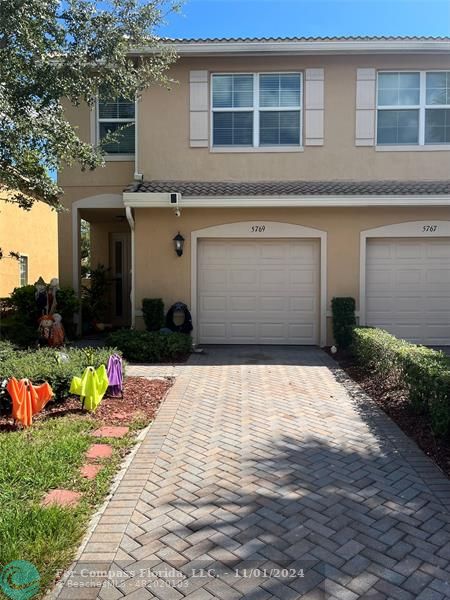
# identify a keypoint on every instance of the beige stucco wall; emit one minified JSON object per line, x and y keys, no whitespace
{"x":164,"y":151}
{"x":164,"y":130}
{"x":170,"y":277}
{"x":32,"y":233}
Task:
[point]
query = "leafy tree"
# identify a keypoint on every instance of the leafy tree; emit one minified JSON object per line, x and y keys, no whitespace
{"x":52,"y":50}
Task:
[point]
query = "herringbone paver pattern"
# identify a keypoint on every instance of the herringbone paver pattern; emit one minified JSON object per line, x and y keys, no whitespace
{"x":266,"y":458}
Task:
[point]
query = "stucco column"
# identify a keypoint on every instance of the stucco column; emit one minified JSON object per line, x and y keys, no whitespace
{"x":76,"y":267}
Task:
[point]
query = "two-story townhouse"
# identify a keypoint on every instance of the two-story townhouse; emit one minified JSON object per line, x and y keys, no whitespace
{"x":295,"y":170}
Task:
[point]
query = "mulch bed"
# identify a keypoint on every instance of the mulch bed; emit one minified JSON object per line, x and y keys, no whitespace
{"x":141,"y":399}
{"x":393,"y":401}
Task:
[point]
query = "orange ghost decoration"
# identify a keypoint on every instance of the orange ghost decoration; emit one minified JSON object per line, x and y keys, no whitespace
{"x":27,"y":399}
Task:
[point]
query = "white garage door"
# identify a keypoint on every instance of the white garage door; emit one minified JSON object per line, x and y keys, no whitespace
{"x":258,"y":292}
{"x":408,"y":288}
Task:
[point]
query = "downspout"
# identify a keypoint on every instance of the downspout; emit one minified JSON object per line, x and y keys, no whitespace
{"x":137,"y":175}
{"x":129,"y":213}
{"x":76,"y":272}
{"x":131,"y":222}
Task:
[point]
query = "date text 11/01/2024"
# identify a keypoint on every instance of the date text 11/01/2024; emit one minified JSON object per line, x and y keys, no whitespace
{"x":253,"y":573}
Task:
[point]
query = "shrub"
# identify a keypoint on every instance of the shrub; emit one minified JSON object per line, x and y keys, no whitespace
{"x":343,"y":310}
{"x":21,"y":327}
{"x":95,"y":303}
{"x":67,"y":304}
{"x":24,"y":301}
{"x":423,"y":373}
{"x":47,"y":364}
{"x":153,"y":309}
{"x":18,"y":331}
{"x":151,"y":346}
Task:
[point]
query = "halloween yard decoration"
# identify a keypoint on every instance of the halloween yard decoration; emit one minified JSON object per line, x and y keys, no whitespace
{"x":51,"y":295}
{"x":44,"y":329}
{"x":57,"y":333}
{"x":50,"y":328}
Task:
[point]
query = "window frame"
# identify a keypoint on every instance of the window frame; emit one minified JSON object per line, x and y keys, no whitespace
{"x":119,"y":156}
{"x":256,"y":109}
{"x":25,"y":256}
{"x":422,"y":107}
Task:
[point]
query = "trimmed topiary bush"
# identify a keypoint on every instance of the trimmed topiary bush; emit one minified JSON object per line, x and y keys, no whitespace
{"x":344,"y":321}
{"x":151,"y":346}
{"x":423,"y":373}
{"x":153,"y":311}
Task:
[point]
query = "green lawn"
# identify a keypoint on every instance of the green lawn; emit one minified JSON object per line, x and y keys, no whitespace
{"x":47,"y":456}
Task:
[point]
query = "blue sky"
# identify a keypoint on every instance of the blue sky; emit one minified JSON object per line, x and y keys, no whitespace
{"x":232,"y":18}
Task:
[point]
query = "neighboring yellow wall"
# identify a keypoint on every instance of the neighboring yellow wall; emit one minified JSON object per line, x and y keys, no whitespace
{"x":170,"y":276}
{"x":33,"y":233}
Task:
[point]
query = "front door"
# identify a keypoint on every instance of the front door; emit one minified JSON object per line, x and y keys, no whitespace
{"x":120,"y":263}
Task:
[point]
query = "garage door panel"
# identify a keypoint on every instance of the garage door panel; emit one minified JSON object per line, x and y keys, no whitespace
{"x":377,"y":277}
{"x":272,"y":251}
{"x":299,"y":303}
{"x":215,"y":330}
{"x":408,"y":276}
{"x":273,"y":278}
{"x":213,"y":303}
{"x":407,"y":251}
{"x":273,"y":303}
{"x":243,"y":330}
{"x":438,"y":335}
{"x":242,"y":276}
{"x":438,"y":250}
{"x":270,"y":287}
{"x":303,"y":255}
{"x":214,"y":253}
{"x":213,"y":277}
{"x":272,"y":330}
{"x":302,"y":331}
{"x":238,"y":303}
{"x":409,"y":293}
{"x":242,"y":252}
{"x":439,"y":276}
{"x":302,"y":277}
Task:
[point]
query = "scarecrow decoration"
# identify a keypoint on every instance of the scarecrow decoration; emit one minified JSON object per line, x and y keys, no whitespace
{"x":51,"y":329}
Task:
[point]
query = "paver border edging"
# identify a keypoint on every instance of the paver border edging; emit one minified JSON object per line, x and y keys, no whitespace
{"x":118,"y":480}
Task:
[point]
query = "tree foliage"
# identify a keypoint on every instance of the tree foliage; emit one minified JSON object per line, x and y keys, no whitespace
{"x":52,"y":50}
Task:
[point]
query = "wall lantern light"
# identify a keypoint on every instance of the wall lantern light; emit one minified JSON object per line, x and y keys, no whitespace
{"x":179,"y":243}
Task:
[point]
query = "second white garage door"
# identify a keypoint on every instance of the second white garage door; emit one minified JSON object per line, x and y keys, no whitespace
{"x":258,"y":292}
{"x":408,"y":288}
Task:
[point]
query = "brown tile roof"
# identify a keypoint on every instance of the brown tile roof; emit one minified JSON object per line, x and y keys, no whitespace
{"x":357,"y":38}
{"x":294,"y":188}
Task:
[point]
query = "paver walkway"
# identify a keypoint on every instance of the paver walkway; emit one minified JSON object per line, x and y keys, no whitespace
{"x":263,"y":458}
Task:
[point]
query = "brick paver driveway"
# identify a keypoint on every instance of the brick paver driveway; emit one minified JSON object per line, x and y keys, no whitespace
{"x":262,"y":463}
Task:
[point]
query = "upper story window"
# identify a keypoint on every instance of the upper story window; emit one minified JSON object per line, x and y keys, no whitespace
{"x":256,"y":110}
{"x":113,"y":115}
{"x":23,"y":271}
{"x":413,"y":108}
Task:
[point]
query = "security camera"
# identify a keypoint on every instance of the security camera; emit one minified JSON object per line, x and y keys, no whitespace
{"x":177,"y":212}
